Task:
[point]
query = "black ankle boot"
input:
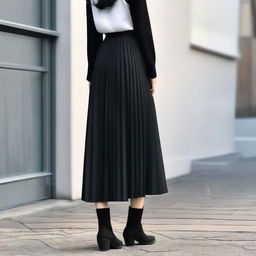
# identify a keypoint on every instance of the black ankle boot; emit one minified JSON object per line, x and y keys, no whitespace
{"x":134,"y":230}
{"x":106,"y":238}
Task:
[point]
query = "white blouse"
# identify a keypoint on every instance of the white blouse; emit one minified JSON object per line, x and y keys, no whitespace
{"x":112,"y":19}
{"x":123,"y":15}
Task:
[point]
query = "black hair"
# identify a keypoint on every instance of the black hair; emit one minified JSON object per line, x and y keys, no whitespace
{"x":102,"y":4}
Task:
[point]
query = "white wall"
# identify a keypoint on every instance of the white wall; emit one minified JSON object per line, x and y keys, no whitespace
{"x":196,"y":91}
{"x":63,"y":91}
{"x":195,"y":97}
{"x":80,"y":92}
{"x":215,"y":25}
{"x":72,"y":97}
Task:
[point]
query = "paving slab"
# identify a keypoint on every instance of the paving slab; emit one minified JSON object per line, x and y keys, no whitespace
{"x":209,"y":212}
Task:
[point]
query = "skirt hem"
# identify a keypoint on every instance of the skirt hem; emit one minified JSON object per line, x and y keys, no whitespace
{"x":124,"y":199}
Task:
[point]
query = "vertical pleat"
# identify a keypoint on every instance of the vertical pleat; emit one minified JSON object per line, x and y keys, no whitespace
{"x":122,"y":157}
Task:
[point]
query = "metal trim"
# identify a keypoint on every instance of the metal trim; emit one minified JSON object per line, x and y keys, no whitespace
{"x":17,"y":28}
{"x":6,"y":65}
{"x":24,"y":177}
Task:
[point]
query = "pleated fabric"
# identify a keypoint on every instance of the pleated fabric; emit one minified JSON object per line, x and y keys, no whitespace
{"x":123,"y":156}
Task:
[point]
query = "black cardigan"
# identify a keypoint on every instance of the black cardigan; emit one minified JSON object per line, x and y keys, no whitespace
{"x":142,"y":29}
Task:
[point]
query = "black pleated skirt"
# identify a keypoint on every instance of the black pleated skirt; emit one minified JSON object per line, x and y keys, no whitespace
{"x":123,"y":156}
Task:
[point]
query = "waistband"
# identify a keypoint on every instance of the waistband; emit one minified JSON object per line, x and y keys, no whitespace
{"x":120,"y":33}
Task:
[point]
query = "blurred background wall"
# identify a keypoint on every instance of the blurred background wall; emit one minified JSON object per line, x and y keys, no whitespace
{"x":196,"y":90}
{"x":245,"y":123}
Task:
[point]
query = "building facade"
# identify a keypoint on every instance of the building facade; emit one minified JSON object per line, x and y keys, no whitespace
{"x":245,"y":125}
{"x":44,"y":94}
{"x":27,"y":40}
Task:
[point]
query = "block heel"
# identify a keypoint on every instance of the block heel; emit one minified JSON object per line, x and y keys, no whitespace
{"x":134,"y":230}
{"x":103,"y":244}
{"x":105,"y":237}
{"x":128,"y":241}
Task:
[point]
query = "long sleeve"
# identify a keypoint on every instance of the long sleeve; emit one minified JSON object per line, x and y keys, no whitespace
{"x":142,"y":28}
{"x":94,"y":39}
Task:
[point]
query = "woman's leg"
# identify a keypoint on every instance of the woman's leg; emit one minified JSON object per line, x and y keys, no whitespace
{"x":105,"y":237}
{"x":137,"y":202}
{"x":100,"y":205}
{"x":134,"y":230}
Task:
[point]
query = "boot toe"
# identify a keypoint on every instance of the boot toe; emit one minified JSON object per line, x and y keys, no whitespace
{"x":151,"y":239}
{"x":147,"y":240}
{"x":116,"y":243}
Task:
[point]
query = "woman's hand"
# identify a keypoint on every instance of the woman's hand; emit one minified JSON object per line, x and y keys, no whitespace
{"x":153,"y":86}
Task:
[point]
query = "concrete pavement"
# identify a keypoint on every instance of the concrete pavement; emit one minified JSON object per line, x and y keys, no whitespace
{"x":211,"y":211}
